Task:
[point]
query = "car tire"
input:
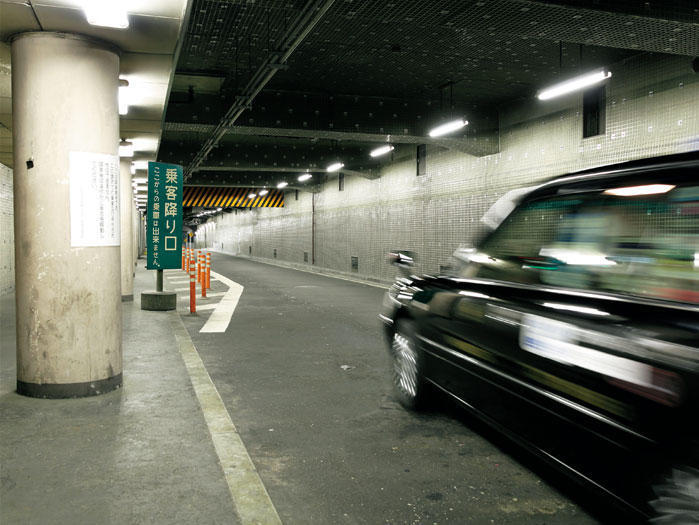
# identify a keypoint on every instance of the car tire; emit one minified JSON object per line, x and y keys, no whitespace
{"x":677,"y":498}
{"x":408,"y":369}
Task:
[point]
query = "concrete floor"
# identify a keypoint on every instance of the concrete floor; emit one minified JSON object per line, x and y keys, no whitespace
{"x":303,"y":371}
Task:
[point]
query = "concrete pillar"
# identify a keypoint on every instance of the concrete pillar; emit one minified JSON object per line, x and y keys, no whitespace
{"x":126,"y":212}
{"x":66,"y":180}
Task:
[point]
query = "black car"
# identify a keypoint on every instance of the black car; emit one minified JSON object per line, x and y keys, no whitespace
{"x":573,"y":328}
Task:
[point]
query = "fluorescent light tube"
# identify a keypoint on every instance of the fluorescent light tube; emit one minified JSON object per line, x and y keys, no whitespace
{"x":282,"y":185}
{"x":123,"y":96}
{"x":647,"y":189}
{"x":574,"y":84}
{"x":448,"y":127}
{"x":382,"y":150}
{"x":262,"y":192}
{"x":106,"y":13}
{"x":304,"y":177}
{"x":252,"y":195}
{"x":125,"y":148}
{"x":140,"y":180}
{"x":133,"y":169}
{"x":337,"y":166}
{"x":141,"y":164}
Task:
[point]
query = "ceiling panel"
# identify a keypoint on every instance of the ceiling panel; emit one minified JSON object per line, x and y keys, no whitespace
{"x":145,"y":34}
{"x":15,"y":17}
{"x":158,"y":8}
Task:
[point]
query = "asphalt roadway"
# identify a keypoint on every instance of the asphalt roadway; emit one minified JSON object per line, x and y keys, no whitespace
{"x":304,"y":373}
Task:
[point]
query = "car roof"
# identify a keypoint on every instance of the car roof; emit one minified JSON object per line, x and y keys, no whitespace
{"x":590,"y":179}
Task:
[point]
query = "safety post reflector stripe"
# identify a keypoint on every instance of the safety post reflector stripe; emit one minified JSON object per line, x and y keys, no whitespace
{"x":250,"y":498}
{"x":220,"y":197}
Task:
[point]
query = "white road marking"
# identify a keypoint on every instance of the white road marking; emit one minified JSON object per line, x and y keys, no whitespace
{"x":210,"y":306}
{"x":221,"y":317}
{"x":251,"y":500}
{"x":209,"y":295}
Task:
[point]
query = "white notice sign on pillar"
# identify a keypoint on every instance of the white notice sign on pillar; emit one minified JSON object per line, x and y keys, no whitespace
{"x":94,"y":199}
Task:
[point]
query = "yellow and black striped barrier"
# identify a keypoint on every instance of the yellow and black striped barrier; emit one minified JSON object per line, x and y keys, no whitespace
{"x":219,"y":197}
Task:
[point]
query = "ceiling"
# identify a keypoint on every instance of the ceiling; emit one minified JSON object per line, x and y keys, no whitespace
{"x":262,"y":90}
{"x":148,"y":48}
{"x":368,"y":71}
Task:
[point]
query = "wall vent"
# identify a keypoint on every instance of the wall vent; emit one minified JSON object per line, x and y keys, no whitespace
{"x":594,"y":106}
{"x":355,"y":263}
{"x":275,"y":253}
{"x":305,"y":257}
{"x":422,"y":159}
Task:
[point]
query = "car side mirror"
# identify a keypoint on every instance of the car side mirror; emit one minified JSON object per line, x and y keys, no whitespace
{"x":402,"y":259}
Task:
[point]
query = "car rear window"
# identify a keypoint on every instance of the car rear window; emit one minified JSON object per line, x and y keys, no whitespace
{"x":637,"y":240}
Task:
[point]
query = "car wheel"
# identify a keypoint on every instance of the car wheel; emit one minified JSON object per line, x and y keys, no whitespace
{"x":677,"y":500}
{"x":408,"y":380}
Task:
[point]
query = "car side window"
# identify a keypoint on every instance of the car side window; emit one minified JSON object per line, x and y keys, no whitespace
{"x":644,"y":245}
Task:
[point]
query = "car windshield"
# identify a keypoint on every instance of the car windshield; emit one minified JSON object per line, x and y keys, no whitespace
{"x":638,"y":240}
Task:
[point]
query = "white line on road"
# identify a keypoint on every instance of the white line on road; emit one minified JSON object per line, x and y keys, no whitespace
{"x":210,"y":306}
{"x":250,"y":497}
{"x":221,"y":317}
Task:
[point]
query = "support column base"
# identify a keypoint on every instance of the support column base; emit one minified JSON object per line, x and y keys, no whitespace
{"x":69,"y":390}
{"x":158,"y":301}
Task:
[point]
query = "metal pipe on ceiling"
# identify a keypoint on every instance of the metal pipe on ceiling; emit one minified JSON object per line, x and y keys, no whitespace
{"x":304,"y":23}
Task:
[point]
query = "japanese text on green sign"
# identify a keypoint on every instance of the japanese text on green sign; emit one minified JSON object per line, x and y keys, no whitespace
{"x":164,"y":216}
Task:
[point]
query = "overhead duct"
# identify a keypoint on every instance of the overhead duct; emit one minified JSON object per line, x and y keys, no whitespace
{"x":304,"y":23}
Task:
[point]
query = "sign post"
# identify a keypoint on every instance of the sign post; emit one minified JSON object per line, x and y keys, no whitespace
{"x":163,"y":230}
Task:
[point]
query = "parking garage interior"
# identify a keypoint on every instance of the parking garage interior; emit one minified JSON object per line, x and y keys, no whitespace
{"x":307,"y":132}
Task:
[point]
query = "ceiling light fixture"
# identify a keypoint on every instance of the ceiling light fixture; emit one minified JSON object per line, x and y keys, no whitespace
{"x":304,"y":177}
{"x":106,"y":13}
{"x":647,"y":189}
{"x":252,"y":195}
{"x":574,"y":84}
{"x":337,"y":166}
{"x":123,"y":96}
{"x":140,"y":180}
{"x":141,"y":164}
{"x":381,"y":150}
{"x":448,"y":127}
{"x":133,"y":169}
{"x":282,"y":185}
{"x":262,"y":192}
{"x":125,"y":148}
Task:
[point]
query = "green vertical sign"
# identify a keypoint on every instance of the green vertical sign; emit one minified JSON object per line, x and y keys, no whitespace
{"x":164,"y":216}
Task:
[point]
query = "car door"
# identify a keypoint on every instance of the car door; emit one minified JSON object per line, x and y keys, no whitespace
{"x":578,"y":353}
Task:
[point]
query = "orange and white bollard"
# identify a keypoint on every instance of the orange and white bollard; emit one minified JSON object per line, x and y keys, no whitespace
{"x":183,"y":258}
{"x":192,"y":286}
{"x":208,"y":269}
{"x":198,"y":266}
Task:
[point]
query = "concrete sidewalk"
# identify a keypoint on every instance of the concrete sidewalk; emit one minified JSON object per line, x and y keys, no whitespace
{"x":141,"y":454}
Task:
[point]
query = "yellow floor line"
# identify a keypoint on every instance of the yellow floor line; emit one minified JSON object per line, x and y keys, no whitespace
{"x":251,"y":500}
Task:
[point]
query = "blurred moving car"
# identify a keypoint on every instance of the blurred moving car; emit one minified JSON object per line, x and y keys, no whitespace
{"x":573,"y":327}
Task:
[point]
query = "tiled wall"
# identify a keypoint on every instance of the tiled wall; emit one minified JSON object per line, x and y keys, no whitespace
{"x":651,"y":110}
{"x":7,"y":232}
